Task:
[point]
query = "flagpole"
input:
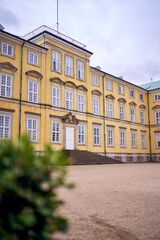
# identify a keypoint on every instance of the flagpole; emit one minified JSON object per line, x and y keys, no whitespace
{"x":57,"y":18}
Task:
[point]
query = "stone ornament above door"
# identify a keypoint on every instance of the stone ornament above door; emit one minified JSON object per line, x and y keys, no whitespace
{"x":69,"y":118}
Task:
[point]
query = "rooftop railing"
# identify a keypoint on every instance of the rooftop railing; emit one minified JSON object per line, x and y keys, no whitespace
{"x":52,"y":31}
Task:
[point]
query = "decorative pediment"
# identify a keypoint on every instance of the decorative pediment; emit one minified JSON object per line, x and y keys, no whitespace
{"x":156,"y":107}
{"x":57,"y":80}
{"x":132,"y":104}
{"x":122,"y":100}
{"x":81,"y":87}
{"x":34,"y":73}
{"x":69,"y":118}
{"x":70,"y":84}
{"x":8,"y":66}
{"x":142,"y":106}
{"x":96,"y":92}
{"x":110,"y":96}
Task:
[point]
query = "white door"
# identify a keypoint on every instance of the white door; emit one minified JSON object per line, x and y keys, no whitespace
{"x":69,"y":138}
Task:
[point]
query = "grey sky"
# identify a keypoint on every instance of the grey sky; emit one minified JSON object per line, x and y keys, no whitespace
{"x":124,"y":35}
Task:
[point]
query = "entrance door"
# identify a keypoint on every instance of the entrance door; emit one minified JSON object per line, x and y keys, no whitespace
{"x":70,"y":138}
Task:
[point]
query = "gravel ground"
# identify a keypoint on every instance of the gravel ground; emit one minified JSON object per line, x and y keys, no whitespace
{"x":113,"y":202}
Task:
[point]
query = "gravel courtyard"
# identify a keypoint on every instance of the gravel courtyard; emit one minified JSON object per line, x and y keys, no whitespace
{"x":113,"y":202}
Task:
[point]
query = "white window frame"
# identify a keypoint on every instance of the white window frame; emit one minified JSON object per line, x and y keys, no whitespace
{"x":80,"y":70}
{"x":133,"y":139}
{"x":35,"y":59}
{"x":32,"y":130}
{"x":109,"y":85}
{"x":131,"y":93}
{"x":157,"y":117}
{"x":95,"y":80}
{"x":81,"y":134}
{"x":158,"y":140}
{"x":6,"y":129}
{"x":142,"y":116}
{"x":110,"y":131}
{"x":110,"y":109}
{"x":122,"y":138}
{"x":56,"y":61}
{"x":8,"y":45}
{"x":133,"y":116}
{"x":121,"y":89}
{"x":56,"y":131}
{"x":33,"y":93}
{"x":56,"y":99}
{"x":96,"y":135}
{"x":69,"y":101}
{"x":121,"y":112}
{"x":141,"y":97}
{"x":96,"y":105}
{"x":5,"y":86}
{"x":143,"y":139}
{"x":69,"y":66}
{"x":81,"y":102}
{"x":157,"y":97}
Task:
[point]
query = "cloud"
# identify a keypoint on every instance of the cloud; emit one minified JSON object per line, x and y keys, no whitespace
{"x":8,"y":18}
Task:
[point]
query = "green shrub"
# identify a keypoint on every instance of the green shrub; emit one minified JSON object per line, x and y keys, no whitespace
{"x":28,"y":191}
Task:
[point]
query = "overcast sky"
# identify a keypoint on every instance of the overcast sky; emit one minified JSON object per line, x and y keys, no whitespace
{"x":124,"y":35}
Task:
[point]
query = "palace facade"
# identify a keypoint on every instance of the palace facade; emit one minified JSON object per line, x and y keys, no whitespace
{"x":49,"y":90}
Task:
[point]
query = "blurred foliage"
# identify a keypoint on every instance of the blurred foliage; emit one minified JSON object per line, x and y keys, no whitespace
{"x":28,"y":191}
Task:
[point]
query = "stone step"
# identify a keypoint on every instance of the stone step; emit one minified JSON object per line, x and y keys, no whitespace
{"x":81,"y":157}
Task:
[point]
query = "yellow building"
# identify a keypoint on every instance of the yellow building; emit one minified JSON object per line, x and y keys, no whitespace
{"x":49,"y":90}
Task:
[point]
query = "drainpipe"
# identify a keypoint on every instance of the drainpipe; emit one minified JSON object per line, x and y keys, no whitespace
{"x":104,"y":120}
{"x":20,"y":105}
{"x":149,"y":126}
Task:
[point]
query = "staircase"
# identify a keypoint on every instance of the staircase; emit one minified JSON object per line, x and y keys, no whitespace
{"x":81,"y":157}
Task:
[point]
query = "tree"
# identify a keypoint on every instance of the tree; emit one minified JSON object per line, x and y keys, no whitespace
{"x":28,"y":191}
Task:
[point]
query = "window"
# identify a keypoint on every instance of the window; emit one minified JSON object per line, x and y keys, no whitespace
{"x":141,"y":97}
{"x":32,"y":128}
{"x":96,"y":106}
{"x":96,"y":135}
{"x":81,"y":134}
{"x":109,"y":85}
{"x":33,"y":91}
{"x":33,"y":58}
{"x":55,"y":132}
{"x":6,"y":86}
{"x":157,"y":97}
{"x":69,"y":99}
{"x":110,"y":136}
{"x":80,"y":70}
{"x":56,"y":61}
{"x":142,"y":115}
{"x":143,"y":139}
{"x":56,"y":96}
{"x":133,"y":139}
{"x":122,"y":112}
{"x":95,"y":80}
{"x":7,"y":49}
{"x":131,"y":93}
{"x":122,"y":138}
{"x":133,"y":116}
{"x":109,"y":109}
{"x":157,"y":117}
{"x":69,"y":66}
{"x":81,"y":102}
{"x":5,"y":125}
{"x":158,"y":140}
{"x":121,"y":89}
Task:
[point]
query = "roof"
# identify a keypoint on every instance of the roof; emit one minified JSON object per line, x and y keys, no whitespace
{"x":151,"y":85}
{"x":44,"y":29}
